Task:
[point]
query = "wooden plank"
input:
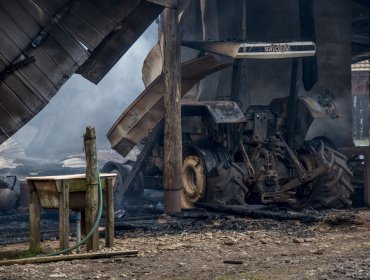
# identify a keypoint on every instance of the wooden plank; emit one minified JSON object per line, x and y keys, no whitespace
{"x":116,"y":11}
{"x":172,"y":146}
{"x":70,"y":45}
{"x":95,"y":18}
{"x":81,"y":30}
{"x":8,"y":121}
{"x":33,"y":9}
{"x":7,"y":53}
{"x":8,"y":50}
{"x":57,"y":35}
{"x":19,"y":14}
{"x":51,"y":6}
{"x":89,"y":256}
{"x":48,"y":67}
{"x":34,"y":219}
{"x":17,"y":109}
{"x":31,"y":72}
{"x":72,"y":22}
{"x":64,"y":216}
{"x":29,"y":27}
{"x":3,"y":136}
{"x":22,"y":40}
{"x":12,"y":30}
{"x":153,"y":139}
{"x":91,"y":209}
{"x":39,"y":81}
{"x":59,"y":56}
{"x":29,"y":97}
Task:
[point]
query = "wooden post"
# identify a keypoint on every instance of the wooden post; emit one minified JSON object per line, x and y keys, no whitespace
{"x":109,"y":213}
{"x":34,"y":216}
{"x":172,"y":165}
{"x":91,"y":209}
{"x":64,"y":216}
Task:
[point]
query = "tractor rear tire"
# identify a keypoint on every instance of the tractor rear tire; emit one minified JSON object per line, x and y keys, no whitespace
{"x":333,"y":189}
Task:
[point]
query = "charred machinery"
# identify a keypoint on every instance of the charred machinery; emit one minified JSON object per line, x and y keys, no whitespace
{"x":9,"y":198}
{"x":230,"y":156}
{"x":235,"y":158}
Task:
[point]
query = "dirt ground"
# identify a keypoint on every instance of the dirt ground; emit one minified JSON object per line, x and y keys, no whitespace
{"x":226,"y":248}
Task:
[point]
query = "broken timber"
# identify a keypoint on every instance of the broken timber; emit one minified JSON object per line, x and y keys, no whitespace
{"x":42,"y":259}
{"x":261,"y":213}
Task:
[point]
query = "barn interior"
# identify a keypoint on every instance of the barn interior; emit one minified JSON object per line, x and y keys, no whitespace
{"x":123,"y":67}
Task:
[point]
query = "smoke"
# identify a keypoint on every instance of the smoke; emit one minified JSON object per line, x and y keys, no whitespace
{"x":57,"y":130}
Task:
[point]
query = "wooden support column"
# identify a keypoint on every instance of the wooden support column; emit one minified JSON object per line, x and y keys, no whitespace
{"x":92,"y":201}
{"x":64,"y":216}
{"x":172,"y":181}
{"x":34,"y":218}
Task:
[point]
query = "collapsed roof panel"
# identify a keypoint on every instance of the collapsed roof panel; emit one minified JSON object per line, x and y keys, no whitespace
{"x":118,"y":42}
{"x":43,"y":42}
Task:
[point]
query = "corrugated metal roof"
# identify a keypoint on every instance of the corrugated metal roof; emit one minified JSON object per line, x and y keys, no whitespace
{"x":43,"y":42}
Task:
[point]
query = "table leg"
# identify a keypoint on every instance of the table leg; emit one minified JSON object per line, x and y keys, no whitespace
{"x":109,"y":214}
{"x":34,"y":216}
{"x":64,"y":216}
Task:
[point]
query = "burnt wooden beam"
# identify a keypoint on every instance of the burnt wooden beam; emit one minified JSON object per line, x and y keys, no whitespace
{"x":172,"y":165}
{"x":262,"y":213}
{"x":149,"y":145}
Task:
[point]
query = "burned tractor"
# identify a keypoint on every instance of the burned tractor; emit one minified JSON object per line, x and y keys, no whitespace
{"x":231,"y":157}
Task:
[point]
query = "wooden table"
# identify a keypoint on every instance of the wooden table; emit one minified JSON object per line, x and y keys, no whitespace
{"x":64,"y":193}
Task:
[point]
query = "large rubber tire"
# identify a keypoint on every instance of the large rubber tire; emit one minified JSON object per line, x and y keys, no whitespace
{"x":333,"y":189}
